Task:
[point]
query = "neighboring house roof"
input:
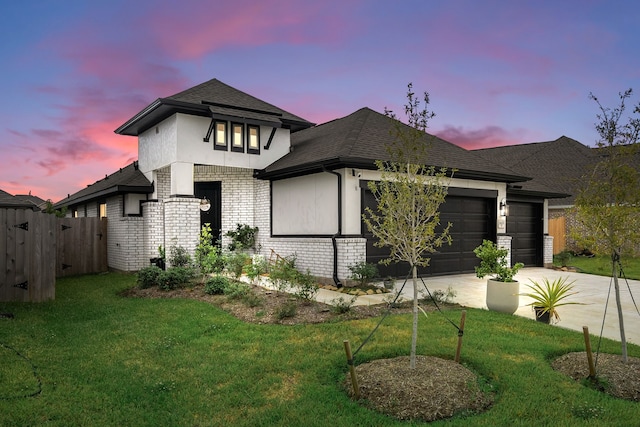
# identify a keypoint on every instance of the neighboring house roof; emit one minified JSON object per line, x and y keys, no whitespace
{"x":14,"y":202}
{"x":360,"y":138}
{"x":212,"y":99}
{"x":557,"y":165}
{"x":37,"y":201}
{"x":127,"y":180}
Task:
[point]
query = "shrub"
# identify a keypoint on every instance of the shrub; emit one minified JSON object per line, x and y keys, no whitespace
{"x":439,"y":296}
{"x":307,"y":288}
{"x":253,"y":300}
{"x":175,"y":277}
{"x":363,"y":272}
{"x":179,"y":257}
{"x":216,"y":285}
{"x":235,"y":263}
{"x":341,"y":305}
{"x":237,"y":290}
{"x":286,"y":310}
{"x":563,"y":258}
{"x":243,"y":237}
{"x":148,"y":276}
{"x":391,"y":301}
{"x":257,"y":267}
{"x":208,"y":255}
{"x":283,"y":273}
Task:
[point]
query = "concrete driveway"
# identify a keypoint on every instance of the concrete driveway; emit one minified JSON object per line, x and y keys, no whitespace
{"x":592,"y":290}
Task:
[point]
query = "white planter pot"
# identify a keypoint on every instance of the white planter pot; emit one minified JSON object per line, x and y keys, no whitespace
{"x":503,"y":296}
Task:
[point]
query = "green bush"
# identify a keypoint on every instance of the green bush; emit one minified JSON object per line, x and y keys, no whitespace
{"x":236,"y":262}
{"x":253,"y":300}
{"x":363,"y":272}
{"x":341,"y":305}
{"x":287,"y":310}
{"x":237,"y":290}
{"x":307,"y":288}
{"x":175,"y":277}
{"x":257,"y":267}
{"x":208,"y":256}
{"x":283,"y":273}
{"x":243,"y":237}
{"x":216,"y":285}
{"x":148,"y":276}
{"x":179,"y":257}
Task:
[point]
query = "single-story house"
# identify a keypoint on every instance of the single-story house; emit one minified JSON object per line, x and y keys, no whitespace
{"x":20,"y":201}
{"x":303,"y":185}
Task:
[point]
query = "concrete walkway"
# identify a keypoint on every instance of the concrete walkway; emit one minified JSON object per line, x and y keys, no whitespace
{"x":592,"y":290}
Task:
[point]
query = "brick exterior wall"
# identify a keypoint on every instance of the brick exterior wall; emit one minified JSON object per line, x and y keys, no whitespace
{"x":504,"y":241}
{"x":153,"y":228}
{"x":163,"y":183}
{"x":548,"y":251}
{"x":125,"y":238}
{"x":181,"y":223}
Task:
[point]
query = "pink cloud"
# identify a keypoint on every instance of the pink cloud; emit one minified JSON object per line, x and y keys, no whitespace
{"x":487,"y":137}
{"x":189,"y":33}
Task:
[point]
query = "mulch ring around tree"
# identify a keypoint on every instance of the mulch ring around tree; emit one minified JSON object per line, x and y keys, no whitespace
{"x":436,"y":389}
{"x":614,"y":377}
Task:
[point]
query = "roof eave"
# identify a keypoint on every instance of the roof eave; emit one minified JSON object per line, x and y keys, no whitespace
{"x":111,"y":191}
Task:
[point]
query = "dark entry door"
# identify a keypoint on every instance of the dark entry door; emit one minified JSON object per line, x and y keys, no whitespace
{"x":212,"y":191}
{"x":472,"y":219}
{"x":524,"y":225}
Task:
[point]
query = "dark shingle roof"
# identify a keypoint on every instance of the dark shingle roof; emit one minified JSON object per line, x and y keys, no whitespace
{"x":212,"y":98}
{"x":557,"y":165}
{"x":127,"y":180}
{"x":360,"y":138}
{"x":14,"y":202}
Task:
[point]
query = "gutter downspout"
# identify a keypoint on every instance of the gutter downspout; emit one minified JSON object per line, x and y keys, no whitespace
{"x":336,"y":280}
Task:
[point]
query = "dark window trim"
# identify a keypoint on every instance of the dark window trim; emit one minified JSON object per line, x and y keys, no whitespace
{"x":235,"y":148}
{"x":216,"y":143}
{"x":249,"y":149}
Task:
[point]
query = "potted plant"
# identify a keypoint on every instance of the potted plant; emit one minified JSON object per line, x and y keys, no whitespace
{"x":548,"y":296}
{"x":502,"y":290}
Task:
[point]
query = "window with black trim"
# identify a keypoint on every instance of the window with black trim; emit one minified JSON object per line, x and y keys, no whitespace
{"x":237,"y":137}
{"x":220,"y":136}
{"x":253,"y":144}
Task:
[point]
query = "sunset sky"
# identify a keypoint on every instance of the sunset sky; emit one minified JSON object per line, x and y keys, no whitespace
{"x":498,"y":72}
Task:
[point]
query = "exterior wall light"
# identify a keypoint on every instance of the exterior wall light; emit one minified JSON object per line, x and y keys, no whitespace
{"x":504,"y":208}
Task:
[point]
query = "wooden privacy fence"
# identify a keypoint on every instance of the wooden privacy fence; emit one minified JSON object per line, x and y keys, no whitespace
{"x":558,"y":229}
{"x":27,"y":255}
{"x":82,"y":246}
{"x":35,"y":248}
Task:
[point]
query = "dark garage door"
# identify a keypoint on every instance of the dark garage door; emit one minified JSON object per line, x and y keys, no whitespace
{"x":473,"y":219}
{"x":524,"y":225}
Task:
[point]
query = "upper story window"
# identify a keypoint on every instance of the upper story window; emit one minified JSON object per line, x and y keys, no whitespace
{"x":253,"y":144}
{"x":237,"y":137}
{"x":220,"y":136}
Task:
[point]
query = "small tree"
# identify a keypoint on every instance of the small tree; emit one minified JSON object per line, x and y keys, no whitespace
{"x":409,"y":196}
{"x":607,"y":206}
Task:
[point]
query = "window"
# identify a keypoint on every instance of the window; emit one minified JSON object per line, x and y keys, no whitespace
{"x":254,"y":140}
{"x":237,"y":143}
{"x":102,"y":210}
{"x":220,"y":136}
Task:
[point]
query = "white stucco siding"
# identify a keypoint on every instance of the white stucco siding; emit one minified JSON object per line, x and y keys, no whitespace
{"x":192,"y":130}
{"x":158,"y":146}
{"x":306,"y":205}
{"x":132,"y":203}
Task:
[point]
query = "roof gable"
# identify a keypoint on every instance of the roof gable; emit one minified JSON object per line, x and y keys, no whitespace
{"x":212,"y":98}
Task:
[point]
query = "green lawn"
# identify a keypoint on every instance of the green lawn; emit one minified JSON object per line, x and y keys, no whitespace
{"x":105,"y":360}
{"x":601,"y":265}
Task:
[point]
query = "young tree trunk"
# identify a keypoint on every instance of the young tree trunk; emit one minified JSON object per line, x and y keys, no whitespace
{"x":414,"y":335}
{"x":623,"y":339}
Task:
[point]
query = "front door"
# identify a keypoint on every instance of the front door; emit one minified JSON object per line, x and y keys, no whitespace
{"x":212,"y":191}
